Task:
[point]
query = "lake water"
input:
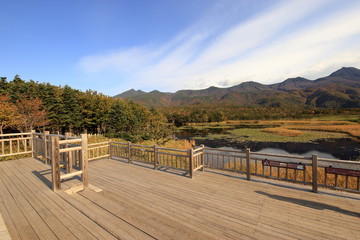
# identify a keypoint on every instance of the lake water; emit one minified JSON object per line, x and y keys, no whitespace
{"x":343,"y":148}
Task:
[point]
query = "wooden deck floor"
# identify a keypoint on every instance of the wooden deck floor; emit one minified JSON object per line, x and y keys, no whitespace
{"x":140,"y":203}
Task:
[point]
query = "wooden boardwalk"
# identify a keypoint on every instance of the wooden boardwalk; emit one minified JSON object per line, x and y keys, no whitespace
{"x":140,"y":203}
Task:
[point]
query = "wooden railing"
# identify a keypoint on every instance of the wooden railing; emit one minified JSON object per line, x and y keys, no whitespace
{"x":72,"y":154}
{"x":98,"y":150}
{"x":158,"y":156}
{"x":15,"y":144}
{"x":311,"y":170}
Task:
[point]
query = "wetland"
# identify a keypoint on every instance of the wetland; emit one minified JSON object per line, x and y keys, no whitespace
{"x":328,"y":138}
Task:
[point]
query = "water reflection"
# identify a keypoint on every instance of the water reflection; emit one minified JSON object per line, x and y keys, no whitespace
{"x":309,"y":153}
{"x":343,"y":148}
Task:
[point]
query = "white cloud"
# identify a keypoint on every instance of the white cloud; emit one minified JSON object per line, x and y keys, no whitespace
{"x":267,"y":48}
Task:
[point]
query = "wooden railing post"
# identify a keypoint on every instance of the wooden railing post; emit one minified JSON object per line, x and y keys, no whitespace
{"x":155,"y":158}
{"x":314,"y":173}
{"x":191,"y":162}
{"x":68,"y":155}
{"x":129,"y":152}
{"x":32,"y":142}
{"x":84,"y":160}
{"x":248,"y":163}
{"x":55,"y":163}
{"x":203,"y":157}
{"x":110,"y":150}
{"x":45,"y":147}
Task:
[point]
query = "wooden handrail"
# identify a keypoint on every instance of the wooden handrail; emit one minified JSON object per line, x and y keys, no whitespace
{"x":70,"y":175}
{"x":63,"y":150}
{"x":70,"y":141}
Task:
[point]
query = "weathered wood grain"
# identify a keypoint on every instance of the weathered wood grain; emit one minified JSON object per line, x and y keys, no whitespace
{"x":137,"y":202}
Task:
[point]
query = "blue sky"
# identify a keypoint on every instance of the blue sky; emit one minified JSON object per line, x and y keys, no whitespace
{"x":115,"y":45}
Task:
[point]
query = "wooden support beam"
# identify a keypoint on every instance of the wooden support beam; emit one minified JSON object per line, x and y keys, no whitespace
{"x":129,"y":152}
{"x":110,"y":153}
{"x":70,"y":149}
{"x":191,"y":162}
{"x":84,"y":160}
{"x":68,"y":155}
{"x":70,"y":175}
{"x":67,"y":140}
{"x":155,"y":158}
{"x":32,"y":142}
{"x":314,"y":173}
{"x":248,"y":164}
{"x":45,"y":147}
{"x":203,"y":157}
{"x":55,"y":163}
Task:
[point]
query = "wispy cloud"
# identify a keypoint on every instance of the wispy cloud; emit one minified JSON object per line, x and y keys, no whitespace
{"x":272,"y":45}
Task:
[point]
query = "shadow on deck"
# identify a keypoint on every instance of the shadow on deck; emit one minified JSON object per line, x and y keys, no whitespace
{"x":140,"y":203}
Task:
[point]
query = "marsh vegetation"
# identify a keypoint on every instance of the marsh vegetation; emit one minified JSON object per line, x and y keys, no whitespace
{"x":337,"y":135}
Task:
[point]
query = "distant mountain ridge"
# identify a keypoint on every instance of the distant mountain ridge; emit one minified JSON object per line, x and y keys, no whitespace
{"x":341,"y":89}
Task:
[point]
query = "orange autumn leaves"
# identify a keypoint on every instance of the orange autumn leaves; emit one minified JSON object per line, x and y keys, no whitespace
{"x":25,"y":114}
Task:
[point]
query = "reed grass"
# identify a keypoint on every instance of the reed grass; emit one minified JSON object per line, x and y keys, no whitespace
{"x":330,"y":179}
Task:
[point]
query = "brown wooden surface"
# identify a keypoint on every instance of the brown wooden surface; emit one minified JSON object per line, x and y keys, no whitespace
{"x":140,"y":203}
{"x":4,"y":234}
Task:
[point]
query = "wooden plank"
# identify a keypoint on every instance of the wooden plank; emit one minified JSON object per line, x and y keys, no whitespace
{"x":71,"y":218}
{"x":153,"y":222}
{"x":214,"y":205}
{"x":60,"y":224}
{"x":113,"y":224}
{"x":137,"y":194}
{"x":195,"y":219}
{"x":10,"y":224}
{"x":23,"y":201}
{"x":22,"y":225}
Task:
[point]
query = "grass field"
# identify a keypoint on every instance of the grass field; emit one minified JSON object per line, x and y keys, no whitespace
{"x":306,"y":130}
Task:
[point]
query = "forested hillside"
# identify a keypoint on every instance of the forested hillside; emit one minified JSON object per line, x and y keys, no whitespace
{"x":340,"y":89}
{"x":27,"y":105}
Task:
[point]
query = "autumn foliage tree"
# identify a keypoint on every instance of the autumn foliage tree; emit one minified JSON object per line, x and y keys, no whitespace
{"x":8,"y":113}
{"x":30,"y":105}
{"x":31,"y":114}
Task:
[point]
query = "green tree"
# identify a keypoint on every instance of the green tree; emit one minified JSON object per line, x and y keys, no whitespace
{"x":72,"y":112}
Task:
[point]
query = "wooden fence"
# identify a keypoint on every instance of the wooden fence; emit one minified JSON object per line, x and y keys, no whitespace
{"x":158,"y":156}
{"x":15,"y":144}
{"x":311,"y":170}
{"x":73,"y":153}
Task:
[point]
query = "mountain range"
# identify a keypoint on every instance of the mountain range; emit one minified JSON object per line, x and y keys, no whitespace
{"x":341,"y":89}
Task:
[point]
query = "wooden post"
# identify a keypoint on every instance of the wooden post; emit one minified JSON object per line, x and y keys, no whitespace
{"x":314,"y":173}
{"x":84,"y":160}
{"x":155,"y":158}
{"x":248,"y":163}
{"x":68,"y":155}
{"x":129,"y":152}
{"x":191,"y":162}
{"x":55,"y":163}
{"x":110,"y":149}
{"x":45,"y":147}
{"x":32,"y":142}
{"x":203,"y":157}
